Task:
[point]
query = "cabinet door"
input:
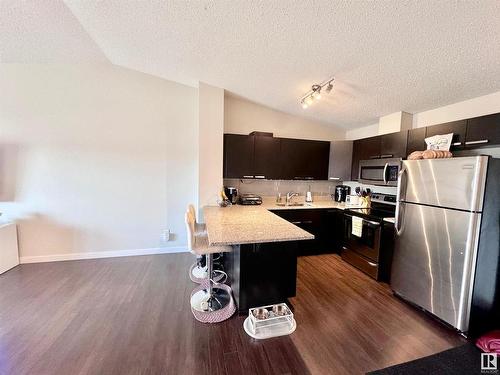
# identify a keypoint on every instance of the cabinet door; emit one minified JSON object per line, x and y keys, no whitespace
{"x":393,"y":145}
{"x":364,"y":149}
{"x":483,"y":131}
{"x":267,"y":157}
{"x":416,"y":140}
{"x":339,"y":167}
{"x":332,"y":222}
{"x":238,"y":156}
{"x":304,"y":160}
{"x":458,"y":128}
{"x":292,"y":160}
{"x":318,"y":157}
{"x":309,"y":220}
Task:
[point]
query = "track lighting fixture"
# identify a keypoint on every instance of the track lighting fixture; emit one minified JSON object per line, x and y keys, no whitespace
{"x":315,"y":93}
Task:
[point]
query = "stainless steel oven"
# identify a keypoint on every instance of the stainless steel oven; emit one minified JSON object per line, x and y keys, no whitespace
{"x":368,"y":245}
{"x":370,"y":249}
{"x":382,"y":172}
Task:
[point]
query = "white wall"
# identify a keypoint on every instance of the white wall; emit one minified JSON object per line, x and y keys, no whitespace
{"x":95,"y":158}
{"x":480,"y":106}
{"x":211,"y":143}
{"x":363,"y":132}
{"x":242,"y":117}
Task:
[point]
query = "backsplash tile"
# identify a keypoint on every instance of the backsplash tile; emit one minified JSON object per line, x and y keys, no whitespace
{"x":273,"y":187}
{"x":319,"y":189}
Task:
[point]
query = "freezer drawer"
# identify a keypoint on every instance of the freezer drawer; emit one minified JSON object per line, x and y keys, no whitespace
{"x":434,"y":260}
{"x":453,"y":183}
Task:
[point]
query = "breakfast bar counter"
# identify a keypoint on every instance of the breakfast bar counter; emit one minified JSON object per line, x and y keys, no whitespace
{"x":262,"y":268}
{"x":236,"y":225}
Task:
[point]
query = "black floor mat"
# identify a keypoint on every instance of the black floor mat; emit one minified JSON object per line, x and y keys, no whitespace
{"x":465,"y":359}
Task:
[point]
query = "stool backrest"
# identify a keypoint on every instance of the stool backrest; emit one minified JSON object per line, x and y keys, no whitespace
{"x":189,"y":219}
{"x":192,"y":211}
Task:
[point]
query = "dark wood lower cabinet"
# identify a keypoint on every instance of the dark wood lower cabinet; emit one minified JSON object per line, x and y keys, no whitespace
{"x":262,"y":274}
{"x":322,"y":223}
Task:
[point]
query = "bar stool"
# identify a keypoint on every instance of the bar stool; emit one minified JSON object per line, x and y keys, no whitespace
{"x":198,"y":270}
{"x":212,"y":298}
{"x":199,"y":229}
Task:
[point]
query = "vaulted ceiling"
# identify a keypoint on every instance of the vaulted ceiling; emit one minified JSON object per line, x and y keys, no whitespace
{"x":386,"y":56}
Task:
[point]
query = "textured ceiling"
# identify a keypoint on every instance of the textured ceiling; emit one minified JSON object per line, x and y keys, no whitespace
{"x":386,"y":56}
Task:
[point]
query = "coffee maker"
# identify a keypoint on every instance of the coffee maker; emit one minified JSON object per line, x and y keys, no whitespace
{"x":231,"y":194}
{"x":341,"y":193}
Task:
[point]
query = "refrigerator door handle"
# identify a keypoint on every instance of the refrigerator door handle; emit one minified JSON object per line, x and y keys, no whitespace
{"x":397,"y":221}
{"x":385,"y":172}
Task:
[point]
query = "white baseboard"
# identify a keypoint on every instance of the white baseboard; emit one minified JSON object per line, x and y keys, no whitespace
{"x":101,"y":254}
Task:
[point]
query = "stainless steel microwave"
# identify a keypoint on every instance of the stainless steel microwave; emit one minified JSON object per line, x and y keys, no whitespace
{"x":382,"y":172}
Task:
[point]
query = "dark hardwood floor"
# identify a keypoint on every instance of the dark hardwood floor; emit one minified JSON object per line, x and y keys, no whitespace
{"x":131,"y":316}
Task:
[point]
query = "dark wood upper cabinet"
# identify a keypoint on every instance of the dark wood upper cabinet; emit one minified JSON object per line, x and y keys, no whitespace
{"x":238,"y":156}
{"x":393,"y":145}
{"x":318,"y":156}
{"x":483,"y":131}
{"x":364,"y":149}
{"x":266,"y":158}
{"x":262,"y":157}
{"x":458,"y":128}
{"x":304,"y":160}
{"x":416,"y":140}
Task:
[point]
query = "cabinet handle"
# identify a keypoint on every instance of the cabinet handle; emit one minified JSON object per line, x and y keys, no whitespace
{"x":260,"y":176}
{"x":372,"y":264}
{"x":477,"y":142}
{"x":386,"y":156}
{"x":296,"y":222}
{"x":375,"y":157}
{"x":248,"y":176}
{"x":308,"y":178}
{"x":456,"y":144}
{"x":303,"y":178}
{"x":334,"y":178}
{"x":367,"y":221}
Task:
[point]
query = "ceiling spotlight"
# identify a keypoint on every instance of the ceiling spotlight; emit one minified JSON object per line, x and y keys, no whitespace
{"x":315,"y":92}
{"x":329,"y":87}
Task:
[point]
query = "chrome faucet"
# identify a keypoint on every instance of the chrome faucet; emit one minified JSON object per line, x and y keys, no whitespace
{"x":290,"y":195}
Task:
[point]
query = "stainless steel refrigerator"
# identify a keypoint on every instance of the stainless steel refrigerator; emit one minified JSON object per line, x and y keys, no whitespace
{"x":438,"y":219}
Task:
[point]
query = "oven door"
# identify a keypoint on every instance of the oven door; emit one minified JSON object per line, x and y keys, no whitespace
{"x":379,"y":171}
{"x":368,"y":245}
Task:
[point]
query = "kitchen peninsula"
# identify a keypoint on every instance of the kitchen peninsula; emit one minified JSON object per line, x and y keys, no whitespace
{"x":262,"y":268}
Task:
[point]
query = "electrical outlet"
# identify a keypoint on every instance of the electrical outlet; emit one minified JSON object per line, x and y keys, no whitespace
{"x":165,"y":235}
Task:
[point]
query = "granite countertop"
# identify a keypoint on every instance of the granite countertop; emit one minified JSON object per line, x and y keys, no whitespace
{"x":237,"y":224}
{"x":320,"y":204}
